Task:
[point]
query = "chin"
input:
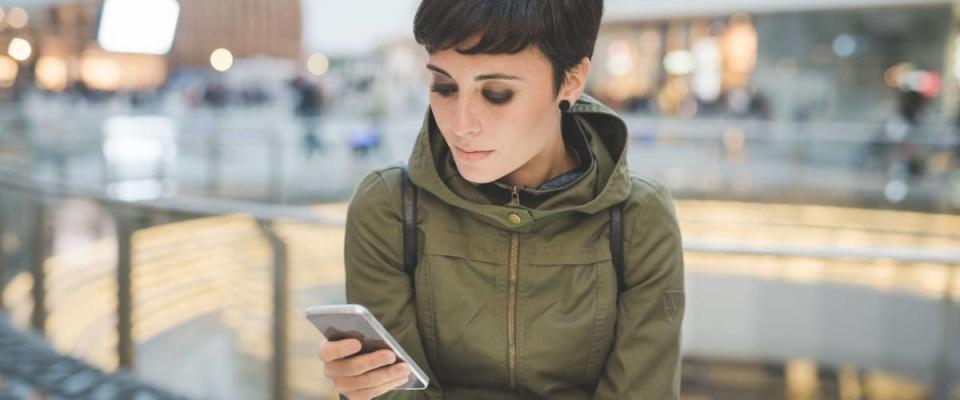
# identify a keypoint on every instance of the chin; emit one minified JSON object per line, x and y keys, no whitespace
{"x":478,"y":177}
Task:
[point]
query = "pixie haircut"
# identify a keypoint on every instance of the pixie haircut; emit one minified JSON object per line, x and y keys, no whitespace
{"x":565,"y":31}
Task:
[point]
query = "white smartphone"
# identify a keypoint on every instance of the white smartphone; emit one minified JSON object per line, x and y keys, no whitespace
{"x":354,"y":321}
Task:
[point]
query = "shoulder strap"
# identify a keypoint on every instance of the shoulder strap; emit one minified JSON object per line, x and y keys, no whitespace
{"x":616,"y":244}
{"x":408,"y":212}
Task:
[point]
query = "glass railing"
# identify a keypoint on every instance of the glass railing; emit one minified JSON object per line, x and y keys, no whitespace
{"x":191,"y":294}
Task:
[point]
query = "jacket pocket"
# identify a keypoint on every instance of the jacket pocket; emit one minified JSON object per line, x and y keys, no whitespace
{"x":465,"y":291}
{"x":568,"y":308}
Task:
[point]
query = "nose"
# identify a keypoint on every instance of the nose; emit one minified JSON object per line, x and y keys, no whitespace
{"x":465,"y":121}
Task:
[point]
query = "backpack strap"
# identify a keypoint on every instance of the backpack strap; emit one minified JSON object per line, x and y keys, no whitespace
{"x":408,"y":213}
{"x":616,"y":245}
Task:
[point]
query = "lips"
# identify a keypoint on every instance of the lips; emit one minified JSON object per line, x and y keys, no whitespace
{"x":472,"y":151}
{"x":471,"y":155}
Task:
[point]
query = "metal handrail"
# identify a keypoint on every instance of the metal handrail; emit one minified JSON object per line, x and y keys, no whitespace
{"x":205,"y":206}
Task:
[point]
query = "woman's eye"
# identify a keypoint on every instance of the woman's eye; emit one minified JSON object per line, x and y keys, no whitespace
{"x":443,"y":89}
{"x":498,"y":97}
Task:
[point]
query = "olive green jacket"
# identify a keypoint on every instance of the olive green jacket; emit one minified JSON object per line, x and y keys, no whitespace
{"x":520,"y":301}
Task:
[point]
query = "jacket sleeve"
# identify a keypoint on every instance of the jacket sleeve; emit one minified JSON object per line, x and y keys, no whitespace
{"x":374,"y":271}
{"x":644,"y":363}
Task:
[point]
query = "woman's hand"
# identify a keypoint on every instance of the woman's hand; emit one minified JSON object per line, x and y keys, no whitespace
{"x":361,"y":377}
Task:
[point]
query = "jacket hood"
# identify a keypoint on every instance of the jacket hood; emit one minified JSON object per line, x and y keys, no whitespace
{"x":605,"y":183}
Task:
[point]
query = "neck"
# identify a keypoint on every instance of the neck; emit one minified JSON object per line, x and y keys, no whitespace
{"x":550,"y":163}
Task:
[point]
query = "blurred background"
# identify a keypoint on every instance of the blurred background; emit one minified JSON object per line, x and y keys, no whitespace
{"x":173,"y":179}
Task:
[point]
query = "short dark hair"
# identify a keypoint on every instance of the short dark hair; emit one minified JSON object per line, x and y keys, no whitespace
{"x":565,"y":31}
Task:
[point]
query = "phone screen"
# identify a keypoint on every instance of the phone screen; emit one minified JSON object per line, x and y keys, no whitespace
{"x":350,"y":326}
{"x":350,"y":321}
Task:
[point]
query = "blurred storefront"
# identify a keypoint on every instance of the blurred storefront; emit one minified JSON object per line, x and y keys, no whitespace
{"x":783,"y":60}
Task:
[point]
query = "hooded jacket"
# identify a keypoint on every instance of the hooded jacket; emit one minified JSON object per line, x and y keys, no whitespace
{"x":515,"y":295}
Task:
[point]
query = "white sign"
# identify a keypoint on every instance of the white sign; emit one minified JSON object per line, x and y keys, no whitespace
{"x":138,"y":26}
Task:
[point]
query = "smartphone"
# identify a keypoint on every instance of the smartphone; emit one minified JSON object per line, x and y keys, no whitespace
{"x":354,"y":321}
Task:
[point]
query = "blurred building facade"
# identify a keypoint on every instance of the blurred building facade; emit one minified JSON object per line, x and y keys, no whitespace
{"x":248,"y":28}
{"x":787,"y":65}
{"x":64,"y":48}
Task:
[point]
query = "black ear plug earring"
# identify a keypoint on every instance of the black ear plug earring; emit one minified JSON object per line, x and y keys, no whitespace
{"x":564,"y":106}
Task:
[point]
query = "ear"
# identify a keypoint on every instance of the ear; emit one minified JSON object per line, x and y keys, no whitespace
{"x":575,"y":82}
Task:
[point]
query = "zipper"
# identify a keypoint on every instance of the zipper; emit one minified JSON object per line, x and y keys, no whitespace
{"x":512,"y":298}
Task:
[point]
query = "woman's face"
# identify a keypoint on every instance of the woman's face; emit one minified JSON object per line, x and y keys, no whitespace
{"x":496,"y":112}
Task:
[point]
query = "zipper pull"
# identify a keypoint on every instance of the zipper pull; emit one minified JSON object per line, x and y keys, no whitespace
{"x":515,"y":196}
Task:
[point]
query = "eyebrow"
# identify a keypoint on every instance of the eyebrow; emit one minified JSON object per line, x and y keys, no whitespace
{"x":483,"y":77}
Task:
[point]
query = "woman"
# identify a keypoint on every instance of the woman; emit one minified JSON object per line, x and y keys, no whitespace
{"x":515,"y":295}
